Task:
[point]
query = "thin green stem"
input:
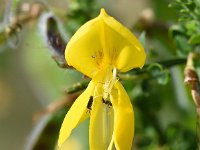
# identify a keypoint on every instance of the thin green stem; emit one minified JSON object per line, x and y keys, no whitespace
{"x":172,"y":62}
{"x":77,"y":87}
{"x":132,"y":77}
{"x":144,"y":73}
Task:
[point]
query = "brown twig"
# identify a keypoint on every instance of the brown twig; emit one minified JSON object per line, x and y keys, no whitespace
{"x":192,"y":79}
{"x":28,"y":12}
{"x":65,"y":101}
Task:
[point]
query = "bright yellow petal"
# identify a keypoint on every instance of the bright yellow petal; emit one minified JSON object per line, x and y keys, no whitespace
{"x":76,"y":114}
{"x":101,"y":125}
{"x":124,"y":119}
{"x":96,"y":128}
{"x":101,"y":42}
{"x":122,"y":42}
{"x":84,"y":48}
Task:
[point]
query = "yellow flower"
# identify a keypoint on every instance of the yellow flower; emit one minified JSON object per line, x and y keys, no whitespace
{"x":99,"y":49}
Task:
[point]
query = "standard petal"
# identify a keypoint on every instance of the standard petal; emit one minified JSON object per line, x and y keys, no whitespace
{"x":85,"y":48}
{"x":125,"y":49}
{"x":124,"y":118}
{"x":101,"y":125}
{"x":102,"y":42}
{"x":76,"y":114}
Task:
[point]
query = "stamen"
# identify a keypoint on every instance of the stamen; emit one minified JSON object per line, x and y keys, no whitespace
{"x":109,"y":83}
{"x":114,"y":73}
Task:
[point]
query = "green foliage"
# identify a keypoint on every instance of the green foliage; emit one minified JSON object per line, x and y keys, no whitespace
{"x":180,"y":138}
{"x":186,"y":34}
{"x":195,"y":39}
{"x":163,"y":120}
{"x":159,"y":73}
{"x":79,"y":12}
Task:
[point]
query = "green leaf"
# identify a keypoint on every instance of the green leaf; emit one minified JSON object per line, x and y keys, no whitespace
{"x":176,"y":30}
{"x":195,"y":39}
{"x":174,"y":5}
{"x":159,"y":73}
{"x":182,"y":45}
{"x":154,"y":69}
{"x":163,"y":78}
{"x":191,"y":27}
{"x":191,"y":6}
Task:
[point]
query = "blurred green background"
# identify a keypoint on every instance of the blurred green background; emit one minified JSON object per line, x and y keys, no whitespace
{"x":30,"y":79}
